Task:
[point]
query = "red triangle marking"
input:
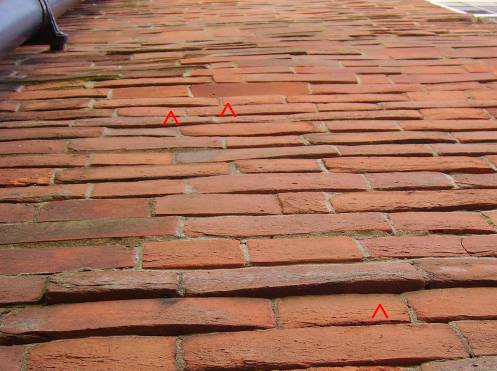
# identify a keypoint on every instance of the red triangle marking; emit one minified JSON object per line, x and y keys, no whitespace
{"x":227,"y":106}
{"x":377,"y":309}
{"x":169,"y":115}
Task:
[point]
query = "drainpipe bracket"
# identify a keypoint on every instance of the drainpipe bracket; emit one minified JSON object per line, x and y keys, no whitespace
{"x":49,"y":33}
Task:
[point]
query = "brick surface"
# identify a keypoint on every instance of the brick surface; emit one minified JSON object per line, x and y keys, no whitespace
{"x":308,"y":279}
{"x":193,"y":254}
{"x":11,"y":358}
{"x":302,"y":250}
{"x":481,"y":245}
{"x":323,"y":347}
{"x":99,"y":353}
{"x":304,"y":202}
{"x":278,"y":166}
{"x":144,"y":316}
{"x":481,"y":363}
{"x":481,"y":336}
{"x":109,"y":285}
{"x":15,"y":290}
{"x":443,"y":305}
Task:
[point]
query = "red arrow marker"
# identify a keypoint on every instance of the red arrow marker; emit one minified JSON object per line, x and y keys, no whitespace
{"x":227,"y":106}
{"x":377,"y":309}
{"x":169,"y":115}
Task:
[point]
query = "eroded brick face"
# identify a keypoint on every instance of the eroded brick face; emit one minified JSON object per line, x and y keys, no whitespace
{"x":342,"y":217}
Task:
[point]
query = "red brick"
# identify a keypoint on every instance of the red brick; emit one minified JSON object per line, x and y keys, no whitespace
{"x":492,"y":215}
{"x":307,"y":347}
{"x":34,"y":194}
{"x":343,"y":77}
{"x":302,"y":250}
{"x":443,"y":305}
{"x":391,"y":277}
{"x":483,"y":363}
{"x":25,"y":177}
{"x":362,"y":125}
{"x":349,"y":98}
{"x":278,"y":166}
{"x":359,"y":115}
{"x":269,"y":141}
{"x":247,"y":89}
{"x":217,"y":204}
{"x":61,"y":94}
{"x":126,"y":353}
{"x":465,"y":149}
{"x":382,"y":137}
{"x":409,"y":181}
{"x":49,"y":160}
{"x":141,"y":188}
{"x":140,"y":172}
{"x":140,"y":143}
{"x":482,"y":136}
{"x":324,"y":107}
{"x":448,"y":125}
{"x":150,"y":82}
{"x":192,"y":254}
{"x":481,"y":336}
{"x":415,"y":53}
{"x":272,"y":225}
{"x":14,"y":213}
{"x":137,"y":317}
{"x":150,"y":92}
{"x":148,"y":111}
{"x":255,"y":99}
{"x":55,"y":115}
{"x":362,"y":89}
{"x":11,"y":358}
{"x":93,"y":209}
{"x":99,"y":228}
{"x":252,"y":153}
{"x":442,"y":78}
{"x":386,"y":150}
{"x":278,"y":182}
{"x":303,"y":202}
{"x":8,"y":106}
{"x":144,"y":158}
{"x":434,"y":96}
{"x":441,"y":222}
{"x":237,"y":129}
{"x":156,"y":102}
{"x":58,"y":259}
{"x":16,"y":290}
{"x":49,"y":133}
{"x":475,"y":181}
{"x":32,"y":146}
{"x":255,"y":109}
{"x":455,"y":272}
{"x":418,"y":200}
{"x":109,"y":285}
{"x":454,"y":114}
{"x":340,"y":310}
{"x":481,"y":245}
{"x":383,"y":164}
{"x":414,"y":246}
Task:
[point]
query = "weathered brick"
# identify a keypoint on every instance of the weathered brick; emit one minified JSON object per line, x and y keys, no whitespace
{"x":442,"y":222}
{"x":481,"y":245}
{"x":419,"y":150}
{"x":409,"y":180}
{"x":255,"y":109}
{"x":482,"y":363}
{"x":448,"y":125}
{"x":384,"y":164}
{"x":278,"y":166}
{"x":126,"y":353}
{"x":109,"y":285}
{"x":25,"y":177}
{"x":93,"y":209}
{"x":140,"y":143}
{"x":140,"y":188}
{"x":33,"y":146}
{"x":363,"y":89}
{"x":49,"y":133}
{"x":192,"y":254}
{"x":475,"y":181}
{"x":250,"y":183}
{"x":307,"y":347}
{"x":249,"y":129}
{"x":137,"y":317}
{"x":251,"y":153}
{"x":305,"y":279}
{"x":150,"y":92}
{"x":217,"y":204}
{"x":303,"y":202}
{"x":11,"y":358}
{"x":323,"y":107}
{"x":58,"y":259}
{"x":414,"y":246}
{"x":15,"y":213}
{"x":302,"y":250}
{"x":98,"y":228}
{"x":351,"y":98}
{"x":15,"y":290}
{"x":362,"y":115}
{"x":144,"y":158}
{"x":248,"y":89}
{"x":481,"y":336}
{"x":455,"y":272}
{"x":48,"y":160}
{"x":266,"y":141}
{"x":140,"y":172}
{"x":382,"y":137}
{"x":362,"y":126}
{"x":418,"y":200}
{"x":443,"y":305}
{"x":35,"y":194}
{"x":272,"y":225}
{"x":61,"y":94}
{"x":333,"y":310}
{"x":465,"y":149}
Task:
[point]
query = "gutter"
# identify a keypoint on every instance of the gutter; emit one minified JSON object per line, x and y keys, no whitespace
{"x":32,"y":20}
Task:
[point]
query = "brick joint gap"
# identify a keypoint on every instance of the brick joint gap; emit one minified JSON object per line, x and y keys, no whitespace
{"x":462,"y":338}
{"x":180,"y":361}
